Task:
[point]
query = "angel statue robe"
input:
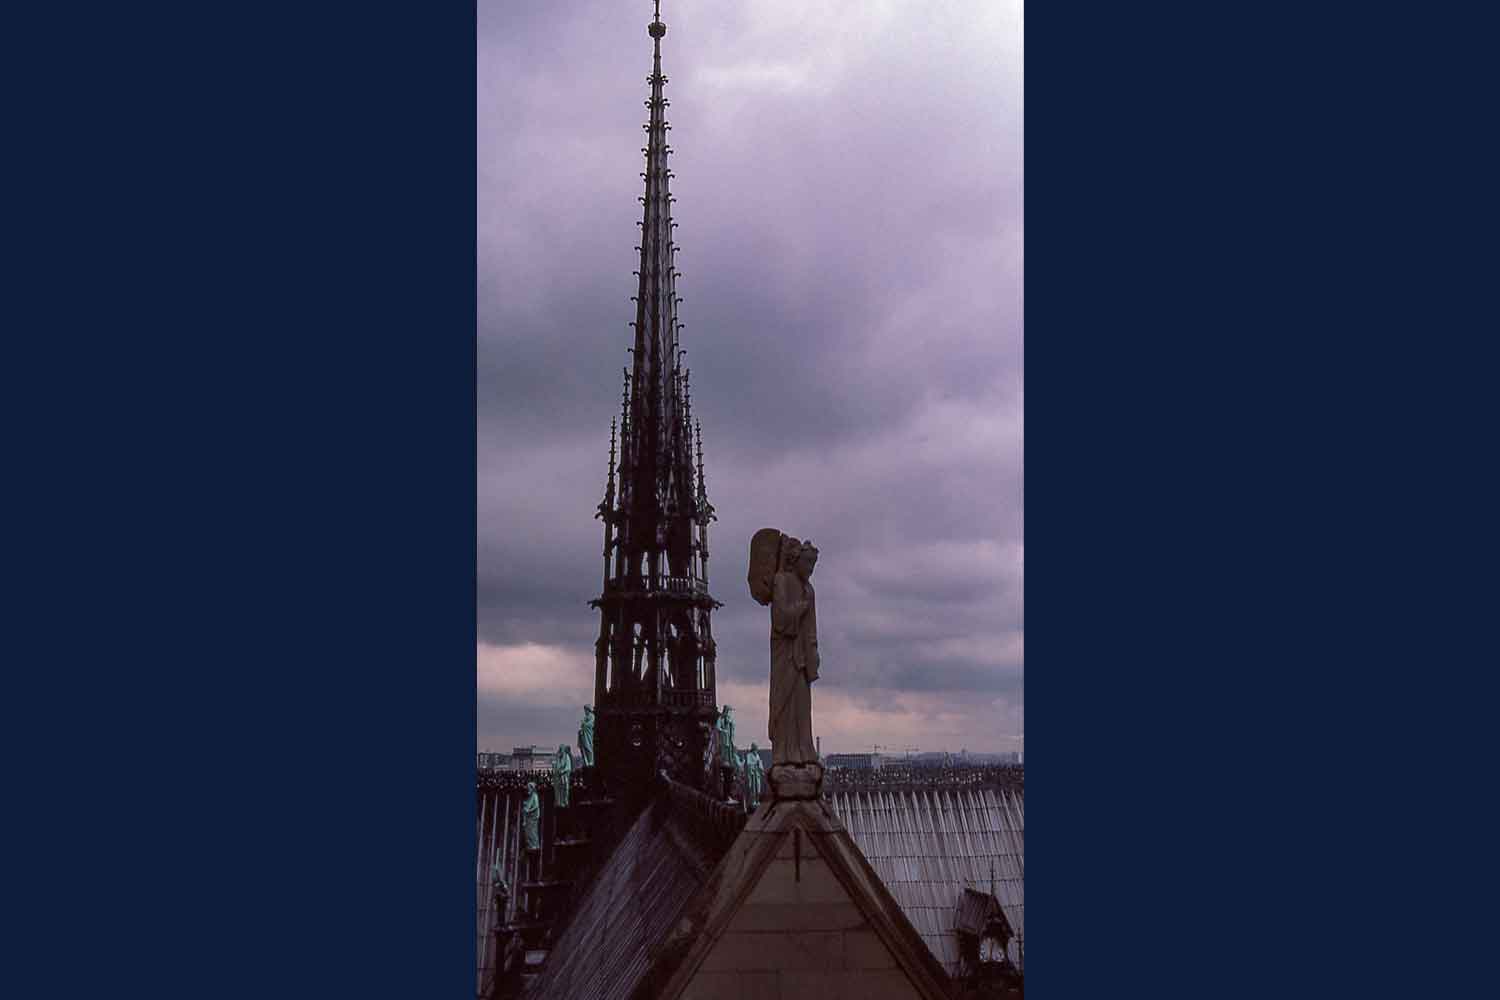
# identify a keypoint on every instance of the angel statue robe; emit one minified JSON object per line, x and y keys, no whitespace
{"x":794,"y":666}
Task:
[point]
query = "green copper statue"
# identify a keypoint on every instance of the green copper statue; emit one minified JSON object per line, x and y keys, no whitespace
{"x":498,"y":889}
{"x":562,"y":776}
{"x":586,"y":736}
{"x":725,"y":726}
{"x":531,"y":818}
{"x":755,"y":775}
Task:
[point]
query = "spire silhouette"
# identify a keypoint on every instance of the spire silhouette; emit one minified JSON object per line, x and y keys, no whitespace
{"x":654,"y":657}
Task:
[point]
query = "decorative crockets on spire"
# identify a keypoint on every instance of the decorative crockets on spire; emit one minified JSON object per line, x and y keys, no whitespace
{"x":655,"y":653}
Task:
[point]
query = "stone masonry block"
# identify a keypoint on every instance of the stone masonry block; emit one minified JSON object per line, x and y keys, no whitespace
{"x":843,"y":916}
{"x":715,"y":986}
{"x":809,"y":985}
{"x":889,"y":984}
{"x":780,"y":884}
{"x":863,"y":949}
{"x":760,"y":986}
{"x":771,"y":951}
{"x":745,"y":952}
{"x":821,"y":951}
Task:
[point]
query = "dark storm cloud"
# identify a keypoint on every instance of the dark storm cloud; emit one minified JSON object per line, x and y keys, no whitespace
{"x":848,"y":178}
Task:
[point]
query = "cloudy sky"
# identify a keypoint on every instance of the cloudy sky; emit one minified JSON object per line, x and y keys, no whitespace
{"x":848,"y":176}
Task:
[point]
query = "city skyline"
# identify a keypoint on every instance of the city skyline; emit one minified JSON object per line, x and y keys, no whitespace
{"x":849,"y":205}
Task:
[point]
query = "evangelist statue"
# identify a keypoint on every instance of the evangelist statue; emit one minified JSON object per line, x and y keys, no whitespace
{"x":562,"y":776}
{"x":586,"y":736}
{"x":755,"y":775}
{"x":498,"y":888}
{"x":725,"y":726}
{"x":531,"y":818}
{"x":781,"y":569}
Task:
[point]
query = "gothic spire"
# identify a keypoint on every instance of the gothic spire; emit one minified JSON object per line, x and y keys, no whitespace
{"x":655,"y":684}
{"x":656,"y":444}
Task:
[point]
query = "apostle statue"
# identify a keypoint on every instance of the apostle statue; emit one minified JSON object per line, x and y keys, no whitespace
{"x":586,"y":736}
{"x":755,"y":775}
{"x":562,"y":776}
{"x":515,"y":953}
{"x":781,"y":569}
{"x":726,"y":737}
{"x":498,"y":889}
{"x":531,"y":818}
{"x":726,"y":758}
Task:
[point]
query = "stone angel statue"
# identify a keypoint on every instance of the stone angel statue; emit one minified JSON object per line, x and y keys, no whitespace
{"x":780,"y":575}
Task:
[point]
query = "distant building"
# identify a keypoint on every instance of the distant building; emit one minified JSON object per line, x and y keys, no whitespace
{"x":532,"y":758}
{"x":489,"y":760}
{"x":865,"y":761}
{"x":1003,"y":757}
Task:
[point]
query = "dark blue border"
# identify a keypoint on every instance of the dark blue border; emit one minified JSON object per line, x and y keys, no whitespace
{"x":245,"y":379}
{"x":1253,"y":514}
{"x":239,"y":384}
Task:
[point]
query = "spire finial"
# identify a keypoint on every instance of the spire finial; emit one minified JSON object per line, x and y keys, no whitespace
{"x":656,"y":28}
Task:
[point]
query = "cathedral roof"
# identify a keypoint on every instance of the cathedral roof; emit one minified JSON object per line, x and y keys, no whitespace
{"x":930,"y":844}
{"x":794,"y":909}
{"x":613,"y":935}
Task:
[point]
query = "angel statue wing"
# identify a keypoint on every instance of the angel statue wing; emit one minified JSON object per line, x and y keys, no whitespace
{"x":765,"y":550}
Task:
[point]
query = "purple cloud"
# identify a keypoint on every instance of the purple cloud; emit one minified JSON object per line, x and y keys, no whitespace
{"x":849,"y":185}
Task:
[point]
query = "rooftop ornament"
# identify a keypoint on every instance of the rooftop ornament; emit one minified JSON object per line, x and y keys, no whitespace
{"x":586,"y":736}
{"x":780,"y":575}
{"x":531,"y":818}
{"x":562,"y":776}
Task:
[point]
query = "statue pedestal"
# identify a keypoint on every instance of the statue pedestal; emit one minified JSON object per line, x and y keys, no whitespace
{"x":796,"y":781}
